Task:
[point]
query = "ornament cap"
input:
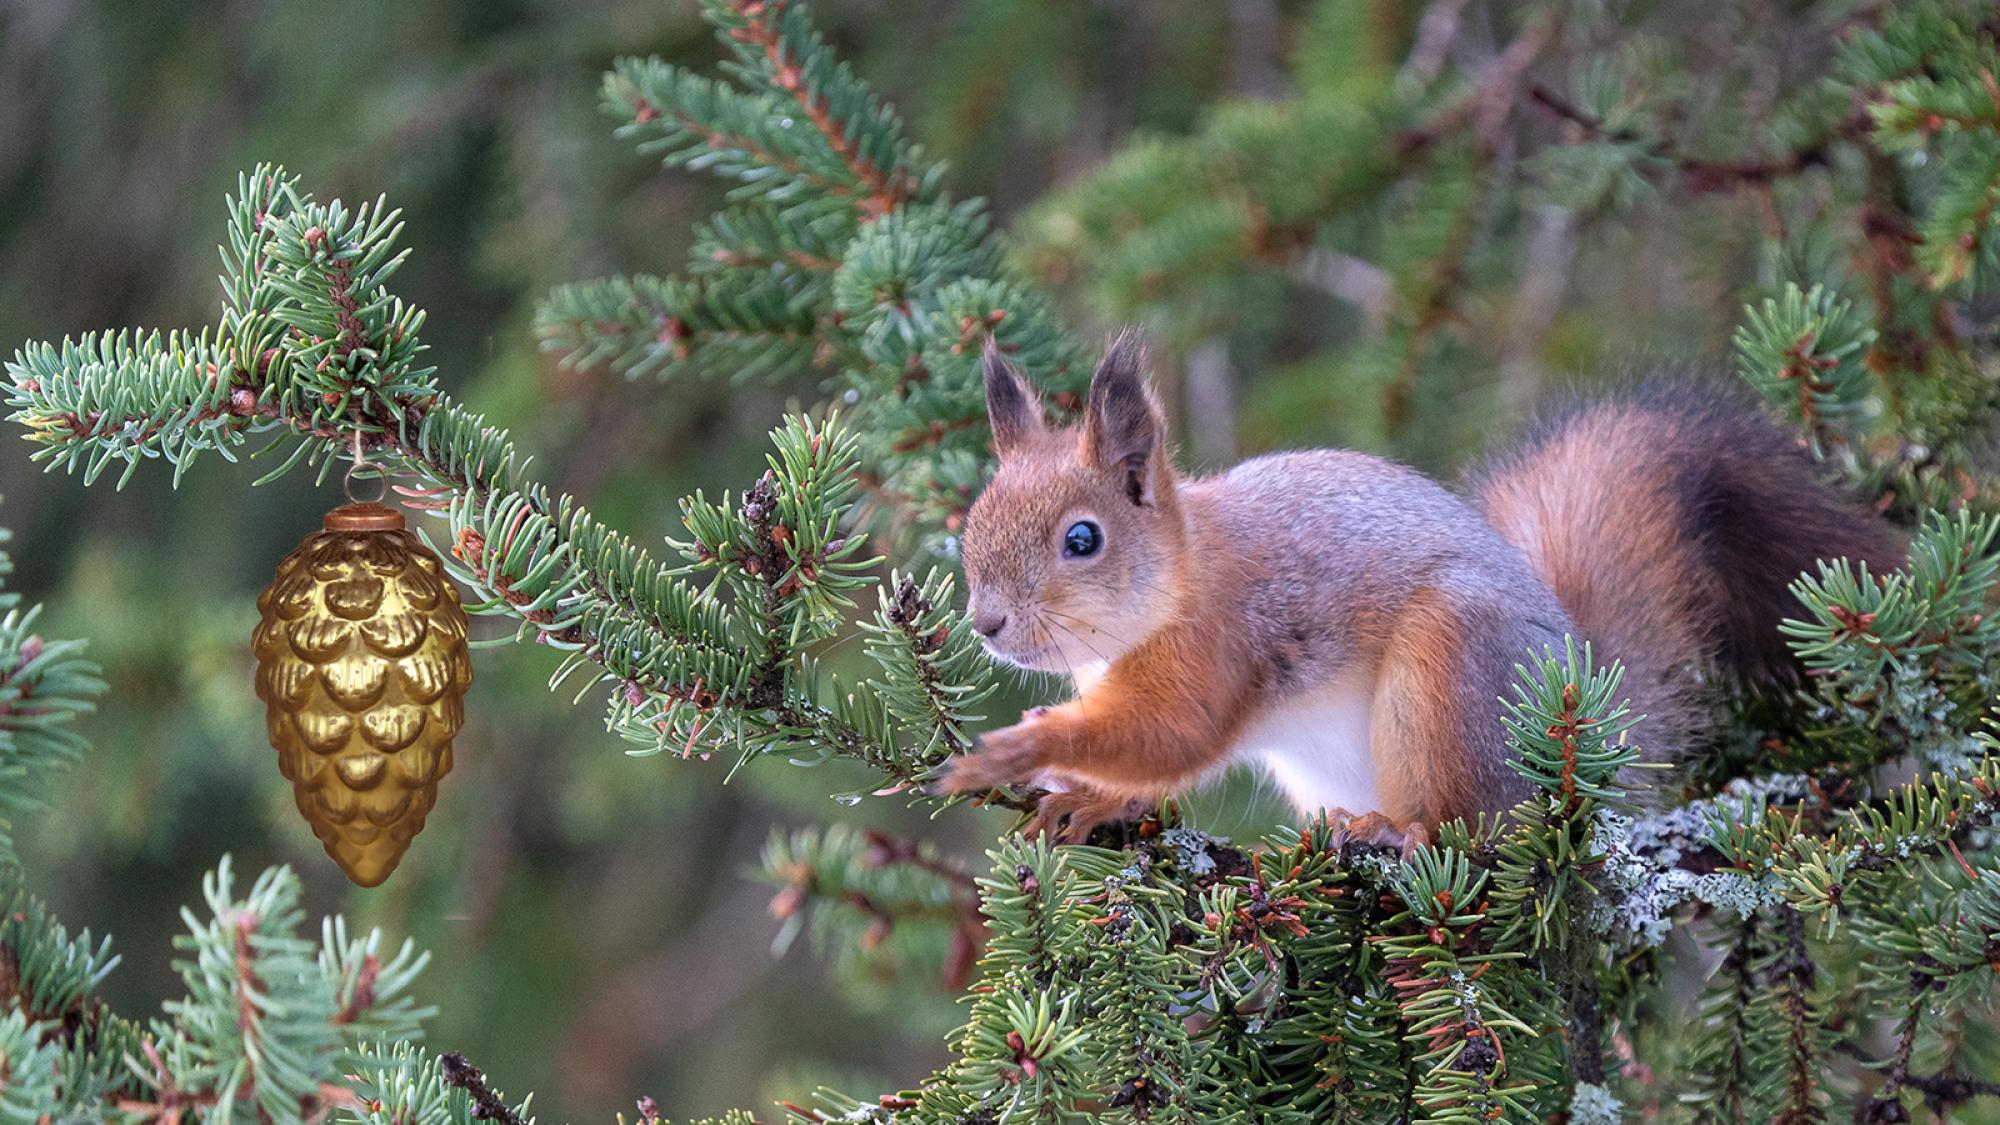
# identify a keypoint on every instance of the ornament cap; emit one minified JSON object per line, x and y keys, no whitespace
{"x":364,"y":516}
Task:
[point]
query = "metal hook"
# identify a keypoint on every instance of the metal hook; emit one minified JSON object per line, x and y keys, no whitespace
{"x":361,"y":461}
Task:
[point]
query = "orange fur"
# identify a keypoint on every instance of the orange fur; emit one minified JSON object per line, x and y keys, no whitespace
{"x":1607,"y":542}
{"x":1419,"y":715}
{"x":1154,"y":723}
{"x":1671,"y":525}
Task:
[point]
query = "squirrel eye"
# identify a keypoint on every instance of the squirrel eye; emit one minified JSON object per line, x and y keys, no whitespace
{"x":1082,"y":540}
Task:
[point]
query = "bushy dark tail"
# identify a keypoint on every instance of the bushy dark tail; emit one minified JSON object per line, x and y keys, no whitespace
{"x":1670,"y":523}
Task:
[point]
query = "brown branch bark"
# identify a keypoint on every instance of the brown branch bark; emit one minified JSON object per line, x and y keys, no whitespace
{"x":1698,"y":174}
{"x":486,"y":1105}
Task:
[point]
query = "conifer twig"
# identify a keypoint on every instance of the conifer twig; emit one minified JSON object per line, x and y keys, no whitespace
{"x":486,"y":1105}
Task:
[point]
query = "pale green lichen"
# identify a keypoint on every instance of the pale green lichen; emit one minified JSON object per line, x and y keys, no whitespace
{"x":1591,"y":1104}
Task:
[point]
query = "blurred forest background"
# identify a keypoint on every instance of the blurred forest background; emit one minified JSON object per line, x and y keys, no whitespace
{"x":597,"y":931}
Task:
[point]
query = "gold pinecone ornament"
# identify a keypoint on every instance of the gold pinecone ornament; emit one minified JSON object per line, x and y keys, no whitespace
{"x":362,"y":667}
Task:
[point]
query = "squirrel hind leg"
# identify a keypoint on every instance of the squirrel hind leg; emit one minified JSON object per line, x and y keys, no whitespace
{"x":1378,"y":829}
{"x":1435,"y":734}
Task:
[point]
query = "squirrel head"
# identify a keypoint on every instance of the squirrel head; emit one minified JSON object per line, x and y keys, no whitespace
{"x":1073,"y":551}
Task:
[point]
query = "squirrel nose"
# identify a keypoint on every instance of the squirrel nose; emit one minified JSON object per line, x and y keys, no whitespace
{"x":987,"y":624}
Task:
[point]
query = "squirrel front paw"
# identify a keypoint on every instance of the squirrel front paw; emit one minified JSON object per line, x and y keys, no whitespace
{"x":1085,"y":810}
{"x":1009,"y":756}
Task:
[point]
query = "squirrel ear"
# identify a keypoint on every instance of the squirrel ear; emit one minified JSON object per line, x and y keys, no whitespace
{"x":1012,"y":408}
{"x":1123,"y":425}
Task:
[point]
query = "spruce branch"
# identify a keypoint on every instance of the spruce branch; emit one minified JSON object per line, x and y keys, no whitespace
{"x":1885,"y":1105}
{"x":1568,"y":725}
{"x":1804,"y":353}
{"x":398,"y":1083}
{"x":704,"y":124}
{"x":1943,"y":1093}
{"x":44,"y":684}
{"x":266,"y":1026}
{"x":30,"y":1060}
{"x":1456,"y":1016}
{"x":932,"y":658}
{"x":777,"y":45}
{"x":875,"y":899}
{"x":1295,"y":953}
{"x":486,"y":1105}
{"x":1486,"y":102}
{"x":1792,"y":971}
{"x":1697,"y":174}
{"x":1340,"y":1036}
{"x":843,"y":256}
{"x":1932,"y":73}
{"x":741,"y":328}
{"x":1730,"y":1054}
{"x":1902,"y":662}
{"x":801,"y":241}
{"x":330,"y":362}
{"x":49,"y":979}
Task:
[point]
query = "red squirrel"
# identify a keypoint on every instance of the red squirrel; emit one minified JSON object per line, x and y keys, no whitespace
{"x":1350,"y":624}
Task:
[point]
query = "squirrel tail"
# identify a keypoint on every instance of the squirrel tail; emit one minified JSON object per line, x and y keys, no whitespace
{"x":1670,"y":522}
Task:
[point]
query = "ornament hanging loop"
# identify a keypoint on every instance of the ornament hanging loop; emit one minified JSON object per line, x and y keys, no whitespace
{"x":364,"y":469}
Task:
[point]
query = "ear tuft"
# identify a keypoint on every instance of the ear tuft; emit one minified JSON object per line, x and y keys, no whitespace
{"x":1012,"y":408}
{"x":1124,"y":426}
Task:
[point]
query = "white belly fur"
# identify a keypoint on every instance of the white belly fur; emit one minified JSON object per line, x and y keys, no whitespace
{"x":1084,"y":676}
{"x":1315,"y":746}
{"x":1087,"y":675}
